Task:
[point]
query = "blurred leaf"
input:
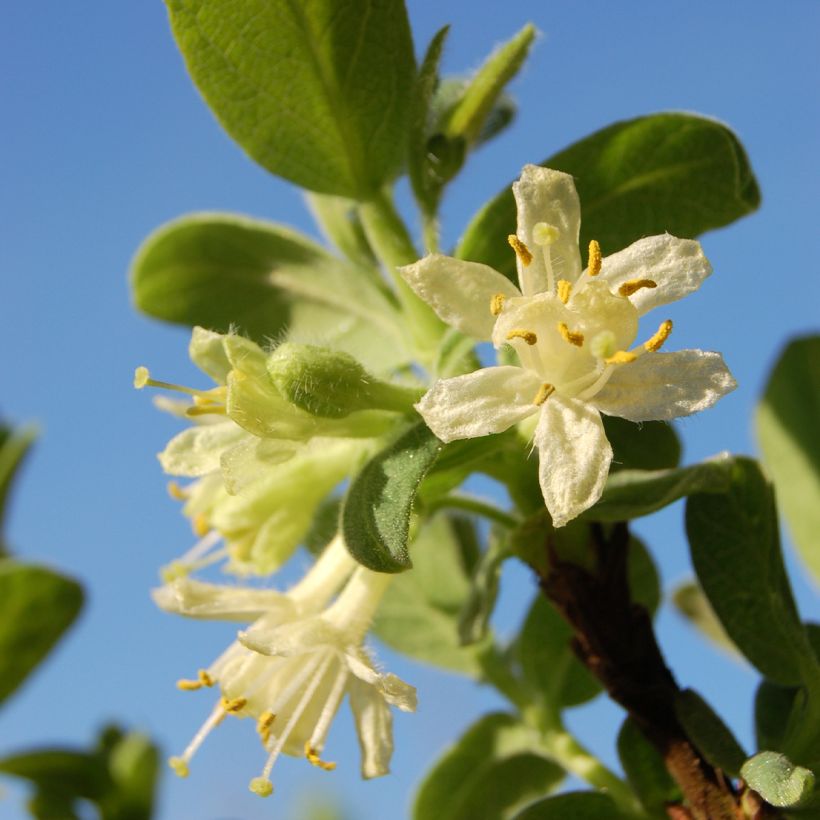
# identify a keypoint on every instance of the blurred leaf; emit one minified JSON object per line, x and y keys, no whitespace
{"x":677,"y":173}
{"x":653,"y":445}
{"x":575,"y":805}
{"x":340,"y":223}
{"x":375,"y":517}
{"x":134,"y":766}
{"x":690,"y":602}
{"x":777,"y":780}
{"x":316,"y":92}
{"x":736,"y":553}
{"x":14,"y":445}
{"x":645,"y":770}
{"x":773,"y":706}
{"x":490,"y":772}
{"x":709,"y":733}
{"x":59,"y":771}
{"x":474,"y":618}
{"x":632,"y":493}
{"x":36,"y":606}
{"x":787,"y":420}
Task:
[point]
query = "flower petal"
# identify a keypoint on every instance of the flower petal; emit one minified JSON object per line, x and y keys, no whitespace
{"x":666,"y":386}
{"x":487,"y":401}
{"x":197,"y":450}
{"x":392,"y":688}
{"x":677,"y":266}
{"x":196,"y":599}
{"x":208,"y":354}
{"x":374,"y":727}
{"x":458,"y":291}
{"x":544,"y":195}
{"x":574,"y":457}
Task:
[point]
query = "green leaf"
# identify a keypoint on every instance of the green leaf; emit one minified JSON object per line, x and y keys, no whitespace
{"x":736,"y":554}
{"x":787,"y":430}
{"x":645,"y":770}
{"x":575,"y":805}
{"x":36,"y":606}
{"x":64,"y":771}
{"x":376,"y":511}
{"x":419,"y":617}
{"x":773,"y":706}
{"x":777,"y":780}
{"x":133,"y":764}
{"x":690,"y":601}
{"x":632,"y":493}
{"x":14,"y":445}
{"x":709,"y":733}
{"x":491,"y":771}
{"x":223,"y":271}
{"x":653,"y":445}
{"x":680,"y":173}
{"x":340,"y":223}
{"x":315,"y":91}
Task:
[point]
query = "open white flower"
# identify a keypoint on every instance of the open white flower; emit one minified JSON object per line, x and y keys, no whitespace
{"x":574,"y":333}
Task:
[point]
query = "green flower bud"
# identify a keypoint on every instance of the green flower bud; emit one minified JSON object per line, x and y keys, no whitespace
{"x":332,"y":384}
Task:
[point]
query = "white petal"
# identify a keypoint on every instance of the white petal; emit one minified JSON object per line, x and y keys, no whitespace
{"x":544,"y":195}
{"x":458,"y":291}
{"x":666,"y":386}
{"x":196,"y":599}
{"x":374,"y":727}
{"x":251,"y":459}
{"x":208,"y":354}
{"x":196,"y":451}
{"x":677,"y":266}
{"x":487,"y":401}
{"x":574,"y":457}
{"x":394,"y":690}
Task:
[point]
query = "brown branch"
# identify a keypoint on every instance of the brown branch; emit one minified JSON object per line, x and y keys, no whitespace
{"x":615,"y":640}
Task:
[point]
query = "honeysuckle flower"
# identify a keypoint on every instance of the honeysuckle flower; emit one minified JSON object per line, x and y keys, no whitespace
{"x":293,"y":667}
{"x":574,"y":334}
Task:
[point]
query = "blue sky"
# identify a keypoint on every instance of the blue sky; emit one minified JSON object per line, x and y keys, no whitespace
{"x":105,"y":138}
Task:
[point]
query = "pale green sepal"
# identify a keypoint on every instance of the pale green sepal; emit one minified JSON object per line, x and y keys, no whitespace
{"x":197,"y":450}
{"x":207,"y":352}
{"x":250,"y":459}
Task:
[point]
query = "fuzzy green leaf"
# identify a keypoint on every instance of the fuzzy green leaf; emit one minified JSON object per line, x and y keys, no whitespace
{"x":777,"y":780}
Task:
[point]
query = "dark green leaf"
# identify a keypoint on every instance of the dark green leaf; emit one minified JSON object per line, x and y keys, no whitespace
{"x":13,"y":448}
{"x":574,"y":805}
{"x":63,"y":771}
{"x":679,"y":173}
{"x":709,"y":733}
{"x":632,"y":493}
{"x":690,"y":601}
{"x":376,"y":511}
{"x":645,"y":770}
{"x":315,"y":91}
{"x":491,"y":771}
{"x":736,"y":553}
{"x":777,"y":780}
{"x":787,"y":420}
{"x":653,"y":445}
{"x":773,"y":706}
{"x":36,"y":607}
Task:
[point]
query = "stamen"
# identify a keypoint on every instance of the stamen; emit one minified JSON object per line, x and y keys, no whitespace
{"x":621,"y":357}
{"x":205,"y":410}
{"x":261,"y":786}
{"x":313,"y":758}
{"x":545,"y":234}
{"x":204,"y":678}
{"x":544,"y":392}
{"x":497,"y":303}
{"x":527,"y":335}
{"x":595,"y":259}
{"x":263,"y":726}
{"x":654,"y":344}
{"x":576,"y":339}
{"x":176,"y":492}
{"x":564,"y":290}
{"x":234,"y":705}
{"x":521,"y":250}
{"x":180,"y":766}
{"x":200,"y":525}
{"x":634,"y":285}
{"x":142,"y":378}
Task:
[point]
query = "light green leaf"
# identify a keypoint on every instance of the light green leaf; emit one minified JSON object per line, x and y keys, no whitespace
{"x":653,"y":445}
{"x":709,"y":733}
{"x":36,"y":607}
{"x":575,"y":805}
{"x":786,"y":421}
{"x":376,"y":512}
{"x":735,"y":550}
{"x":777,"y":780}
{"x":14,"y":445}
{"x":490,"y":772}
{"x":632,"y":493}
{"x":677,"y":173}
{"x":315,"y":91}
{"x":690,"y":601}
{"x":340,"y":223}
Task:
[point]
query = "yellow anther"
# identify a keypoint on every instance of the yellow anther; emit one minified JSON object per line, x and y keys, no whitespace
{"x":595,"y":259}
{"x":313,"y":758}
{"x":497,"y":303}
{"x":200,"y":524}
{"x":634,"y":285}
{"x":564,"y":290}
{"x":527,"y":335}
{"x":179,"y":765}
{"x":173,"y":571}
{"x":261,"y":786}
{"x":176,"y":492}
{"x":205,"y":410}
{"x":189,"y":685}
{"x":233,"y":705}
{"x":263,"y":726}
{"x":621,"y":357}
{"x":545,"y":234}
{"x":544,"y":392}
{"x":521,"y":250}
{"x":576,"y":339}
{"x":204,"y":678}
{"x":660,"y":337}
{"x":141,"y":377}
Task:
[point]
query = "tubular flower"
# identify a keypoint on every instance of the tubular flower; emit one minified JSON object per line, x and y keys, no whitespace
{"x":574,"y":335}
{"x":292,"y":668}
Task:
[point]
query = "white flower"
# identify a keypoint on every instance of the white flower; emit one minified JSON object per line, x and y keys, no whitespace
{"x":573,"y":332}
{"x":292,"y":668}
